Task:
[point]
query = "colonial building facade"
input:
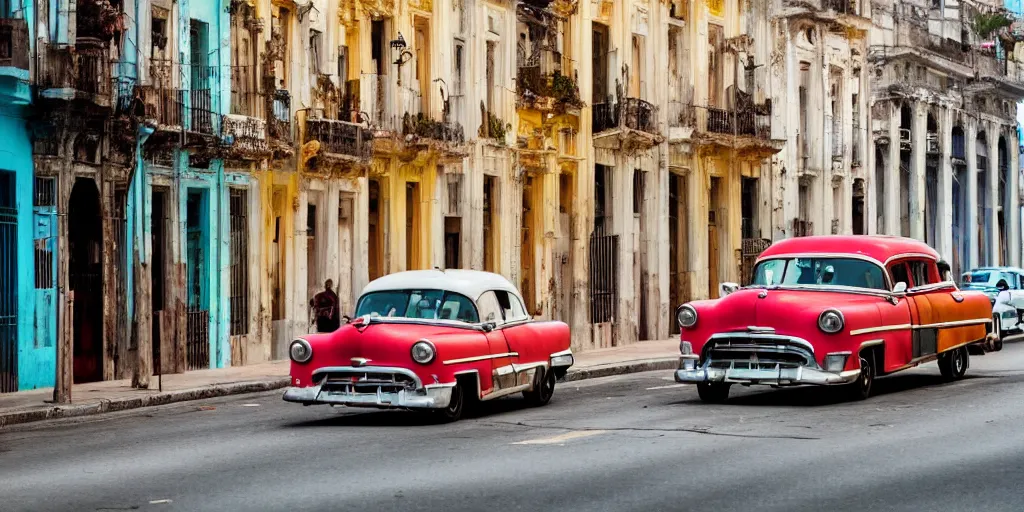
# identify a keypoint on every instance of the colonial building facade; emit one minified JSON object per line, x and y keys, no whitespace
{"x":184,"y":176}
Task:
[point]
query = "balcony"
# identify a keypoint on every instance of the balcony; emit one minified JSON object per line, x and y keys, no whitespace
{"x":246,"y":97}
{"x":998,"y":73}
{"x":544,"y":82}
{"x":425,"y":128}
{"x":749,"y":128}
{"x":637,"y":114}
{"x":14,"y":44}
{"x":69,"y":73}
{"x":340,"y":139}
{"x":201,"y":119}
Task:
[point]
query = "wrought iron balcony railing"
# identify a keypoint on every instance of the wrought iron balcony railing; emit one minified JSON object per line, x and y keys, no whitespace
{"x":424,"y":127}
{"x":748,"y":123}
{"x":547,"y":73}
{"x":14,"y":43}
{"x":280,"y":122}
{"x":341,"y":137}
{"x":84,"y":69}
{"x":640,"y":115}
{"x":604,"y":116}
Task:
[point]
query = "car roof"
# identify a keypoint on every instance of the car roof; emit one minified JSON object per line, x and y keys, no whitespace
{"x":879,"y":248}
{"x":995,"y":269}
{"x":471,"y":283}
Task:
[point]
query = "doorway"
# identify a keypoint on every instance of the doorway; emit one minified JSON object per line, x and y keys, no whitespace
{"x":490,"y":227}
{"x":857,"y":206}
{"x":677,"y":244}
{"x":8,"y":283}
{"x":197,"y":278}
{"x":85,"y":273}
{"x":526,"y":249}
{"x":713,"y":237}
{"x":452,"y":239}
{"x":159,"y":277}
{"x":413,"y":235}
{"x":376,"y":232}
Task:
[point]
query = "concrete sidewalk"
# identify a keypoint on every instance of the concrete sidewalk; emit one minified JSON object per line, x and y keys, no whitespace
{"x":118,"y":395}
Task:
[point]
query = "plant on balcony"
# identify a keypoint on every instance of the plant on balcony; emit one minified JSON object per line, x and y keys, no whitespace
{"x":99,"y":19}
{"x":492,"y":127}
{"x":565,"y":90}
{"x":985,"y":24}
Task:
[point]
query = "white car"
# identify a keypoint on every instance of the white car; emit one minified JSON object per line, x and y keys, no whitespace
{"x":1005,"y":288}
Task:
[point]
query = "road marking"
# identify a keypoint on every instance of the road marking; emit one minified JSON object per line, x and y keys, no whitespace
{"x":159,"y":502}
{"x":562,"y":438}
{"x":250,"y":405}
{"x":667,"y":387}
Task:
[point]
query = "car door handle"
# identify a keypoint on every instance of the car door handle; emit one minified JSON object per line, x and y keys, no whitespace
{"x":957,"y":296}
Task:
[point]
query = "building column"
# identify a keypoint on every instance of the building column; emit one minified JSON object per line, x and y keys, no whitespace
{"x":893,"y":194}
{"x":991,"y":222}
{"x":971,"y":206}
{"x":919,"y":148}
{"x":1011,"y":208}
{"x":944,"y":220}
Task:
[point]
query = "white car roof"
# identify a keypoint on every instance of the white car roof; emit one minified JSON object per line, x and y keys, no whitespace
{"x":471,"y":283}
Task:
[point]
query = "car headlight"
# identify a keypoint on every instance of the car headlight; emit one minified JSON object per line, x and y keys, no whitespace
{"x":687,"y":316}
{"x":831,"y":321}
{"x":300,"y":351}
{"x":423,"y":352}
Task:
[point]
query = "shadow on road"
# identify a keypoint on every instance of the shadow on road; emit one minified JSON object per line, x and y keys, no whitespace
{"x":815,"y":396}
{"x":360,"y":417}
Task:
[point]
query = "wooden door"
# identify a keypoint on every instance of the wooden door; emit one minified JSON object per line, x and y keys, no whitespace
{"x":712,"y":261}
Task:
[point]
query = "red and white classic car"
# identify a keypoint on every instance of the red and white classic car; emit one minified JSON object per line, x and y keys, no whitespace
{"x":432,"y":339}
{"x":832,"y":310}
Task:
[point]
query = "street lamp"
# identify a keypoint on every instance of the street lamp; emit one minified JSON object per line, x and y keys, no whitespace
{"x":399,"y":46}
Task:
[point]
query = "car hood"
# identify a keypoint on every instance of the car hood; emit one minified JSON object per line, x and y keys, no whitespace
{"x":383,"y":344}
{"x":783,"y":310}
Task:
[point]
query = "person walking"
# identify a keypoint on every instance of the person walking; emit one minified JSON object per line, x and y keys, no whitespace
{"x":325,"y":305}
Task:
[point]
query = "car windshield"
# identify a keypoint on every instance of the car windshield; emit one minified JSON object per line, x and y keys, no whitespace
{"x":420,"y":304}
{"x":819,"y":271}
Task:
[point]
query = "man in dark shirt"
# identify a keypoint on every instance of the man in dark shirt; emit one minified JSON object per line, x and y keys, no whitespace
{"x":325,"y":304}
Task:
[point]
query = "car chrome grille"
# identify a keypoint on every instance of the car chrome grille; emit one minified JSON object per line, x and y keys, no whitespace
{"x":757,"y":352}
{"x":365,"y":382}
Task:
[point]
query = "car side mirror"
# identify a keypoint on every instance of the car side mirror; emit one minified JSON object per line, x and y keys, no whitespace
{"x":900,"y":289}
{"x":345,"y":319}
{"x":488,"y":326}
{"x":727,"y":288}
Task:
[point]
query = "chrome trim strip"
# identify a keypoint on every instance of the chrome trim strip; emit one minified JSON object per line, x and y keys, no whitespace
{"x":934,"y":287}
{"x":882,"y":328}
{"x":567,"y":352}
{"x":939,"y":325}
{"x":772,"y":337}
{"x":505,"y":392}
{"x":481,"y":358}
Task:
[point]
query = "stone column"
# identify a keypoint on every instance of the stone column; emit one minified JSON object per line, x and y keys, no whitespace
{"x":992,"y":208}
{"x":971,"y":150}
{"x":944,"y":217}
{"x":919,"y":148}
{"x":1011,"y":208}
{"x":893,"y":194}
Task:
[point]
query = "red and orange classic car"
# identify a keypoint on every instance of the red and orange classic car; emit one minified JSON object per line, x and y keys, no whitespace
{"x":432,"y":339}
{"x":832,"y":310}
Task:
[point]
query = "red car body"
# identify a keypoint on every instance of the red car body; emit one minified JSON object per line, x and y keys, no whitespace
{"x":494,"y":351}
{"x":832,"y":310}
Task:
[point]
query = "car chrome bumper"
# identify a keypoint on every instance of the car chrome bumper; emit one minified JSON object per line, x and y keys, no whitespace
{"x":435,"y":396}
{"x":778,"y":376}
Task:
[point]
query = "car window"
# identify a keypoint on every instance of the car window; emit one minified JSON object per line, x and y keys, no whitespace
{"x":419,"y":304}
{"x":511,"y":306}
{"x":490,"y":309}
{"x":852,"y":272}
{"x":899,"y":273}
{"x":977,"y":277}
{"x":919,"y":271}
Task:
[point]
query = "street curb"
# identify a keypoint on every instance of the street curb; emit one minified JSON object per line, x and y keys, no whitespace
{"x":623,"y":368}
{"x":242,"y":388}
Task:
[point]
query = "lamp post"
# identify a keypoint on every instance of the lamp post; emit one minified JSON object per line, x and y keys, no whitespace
{"x":400,"y":46}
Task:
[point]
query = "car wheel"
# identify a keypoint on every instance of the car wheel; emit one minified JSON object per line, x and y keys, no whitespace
{"x":713,"y":393}
{"x":953,"y":364}
{"x":455,"y":406}
{"x":543,"y":388}
{"x":861,"y":388}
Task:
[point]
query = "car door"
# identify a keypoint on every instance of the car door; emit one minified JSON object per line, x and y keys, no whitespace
{"x":521,"y":335}
{"x":502,"y":372}
{"x":938,"y":312}
{"x":898,"y":317}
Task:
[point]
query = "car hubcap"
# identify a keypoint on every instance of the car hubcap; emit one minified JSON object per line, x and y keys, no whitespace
{"x":959,"y":361}
{"x":865,"y":374}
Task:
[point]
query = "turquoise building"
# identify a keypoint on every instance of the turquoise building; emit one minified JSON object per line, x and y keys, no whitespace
{"x":23,"y":360}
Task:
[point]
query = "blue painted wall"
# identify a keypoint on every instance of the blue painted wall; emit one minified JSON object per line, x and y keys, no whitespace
{"x":36,"y":356}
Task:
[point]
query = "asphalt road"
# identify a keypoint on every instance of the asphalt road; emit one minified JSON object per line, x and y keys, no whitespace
{"x":637,"y":442}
